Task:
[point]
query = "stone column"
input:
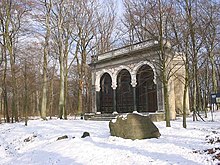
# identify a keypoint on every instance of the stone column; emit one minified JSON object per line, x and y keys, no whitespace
{"x":134,"y":98}
{"x":171,"y":94}
{"x":94,"y":106}
{"x":179,"y":82}
{"x":114,"y":86}
{"x":98,"y":99}
{"x":133,"y":84}
{"x":114,"y":101}
{"x":93,"y":99}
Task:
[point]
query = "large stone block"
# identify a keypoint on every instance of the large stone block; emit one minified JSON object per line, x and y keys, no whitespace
{"x":156,"y":117}
{"x":133,"y":126}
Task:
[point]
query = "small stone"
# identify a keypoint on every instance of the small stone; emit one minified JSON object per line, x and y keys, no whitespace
{"x":27,"y":139}
{"x":85,"y":134}
{"x":62,"y":137}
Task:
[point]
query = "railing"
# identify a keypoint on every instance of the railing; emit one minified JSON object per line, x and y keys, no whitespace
{"x":126,"y":49}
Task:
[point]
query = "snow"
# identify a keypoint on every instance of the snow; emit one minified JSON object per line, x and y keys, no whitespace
{"x":114,"y":120}
{"x":37,"y":144}
{"x":136,"y":112}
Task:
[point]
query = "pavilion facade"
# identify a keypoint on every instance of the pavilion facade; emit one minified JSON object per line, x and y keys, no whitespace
{"x":128,"y":79}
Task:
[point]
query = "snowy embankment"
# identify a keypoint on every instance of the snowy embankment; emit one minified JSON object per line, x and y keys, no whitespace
{"x":37,"y":144}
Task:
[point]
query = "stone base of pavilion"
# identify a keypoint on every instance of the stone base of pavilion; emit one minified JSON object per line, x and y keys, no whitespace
{"x":155,"y":117}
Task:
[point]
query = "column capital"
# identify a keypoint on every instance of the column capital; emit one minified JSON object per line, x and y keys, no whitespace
{"x":97,"y":88}
{"x":133,"y":84}
{"x":133,"y":80}
{"x":114,"y":87}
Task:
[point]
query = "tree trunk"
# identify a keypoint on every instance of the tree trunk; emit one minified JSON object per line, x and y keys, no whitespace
{"x":166,"y":103}
{"x":46,"y":53}
{"x":65,"y":78}
{"x":184,"y":98}
{"x":80,"y":100}
{"x":191,"y":27}
{"x":26,"y":95}
{"x":207,"y":87}
{"x":194,"y":94}
{"x":61,"y":99}
{"x":214,"y":80}
{"x":1,"y":108}
{"x":10,"y":47}
{"x":51,"y":98}
{"x":37,"y":103}
{"x":66,"y":91}
{"x":14,"y":87}
{"x":44,"y":92}
{"x":5,"y":93}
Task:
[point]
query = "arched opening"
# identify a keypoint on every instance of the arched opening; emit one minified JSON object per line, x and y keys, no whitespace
{"x":124,"y":92}
{"x":106,"y":94}
{"x":146,"y":90}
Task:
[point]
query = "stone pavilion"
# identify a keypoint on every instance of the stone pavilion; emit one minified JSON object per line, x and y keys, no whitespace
{"x":128,"y":79}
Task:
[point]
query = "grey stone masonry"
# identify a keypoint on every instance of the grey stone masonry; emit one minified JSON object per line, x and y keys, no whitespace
{"x":131,"y":58}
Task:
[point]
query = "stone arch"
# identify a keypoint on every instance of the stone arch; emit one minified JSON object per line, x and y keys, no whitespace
{"x":124,"y":92}
{"x":99,"y":74}
{"x":121,"y":67}
{"x":146,"y":89}
{"x":140,"y":64}
{"x":117,"y":71}
{"x":106,"y":93}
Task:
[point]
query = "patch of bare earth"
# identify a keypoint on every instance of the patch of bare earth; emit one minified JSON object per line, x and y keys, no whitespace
{"x":215,"y":151}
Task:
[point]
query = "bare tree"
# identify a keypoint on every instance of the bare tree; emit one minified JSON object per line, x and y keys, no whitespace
{"x":83,"y":36}
{"x":47,"y":5}
{"x":12,"y":14}
{"x":61,"y":34}
{"x":152,"y":20}
{"x":210,"y":18}
{"x":106,"y":35}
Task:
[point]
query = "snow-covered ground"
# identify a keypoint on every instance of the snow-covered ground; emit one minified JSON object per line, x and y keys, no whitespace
{"x":37,"y":144}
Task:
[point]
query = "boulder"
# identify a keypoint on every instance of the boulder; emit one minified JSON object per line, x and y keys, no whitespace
{"x":133,"y":126}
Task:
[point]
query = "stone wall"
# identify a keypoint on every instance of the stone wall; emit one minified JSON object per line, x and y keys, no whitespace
{"x":113,"y":62}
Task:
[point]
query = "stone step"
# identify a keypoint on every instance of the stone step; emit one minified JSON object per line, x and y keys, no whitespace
{"x":155,"y":117}
{"x":99,"y":117}
{"x":95,"y":118}
{"x":105,"y":115}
